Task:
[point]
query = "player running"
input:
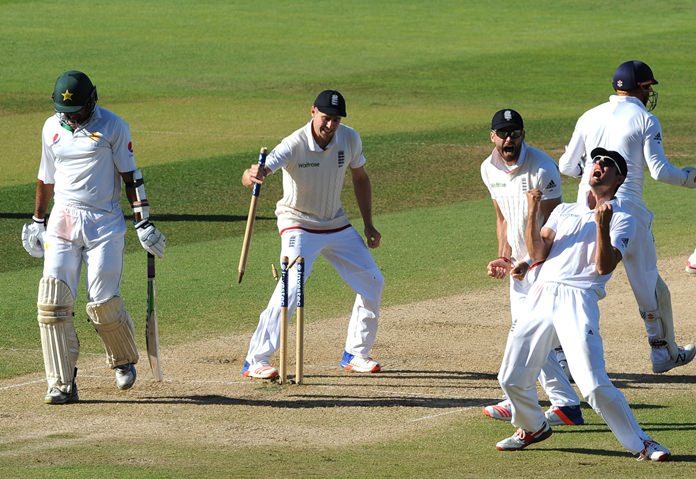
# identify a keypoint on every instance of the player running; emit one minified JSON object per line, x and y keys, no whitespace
{"x":625,"y":124}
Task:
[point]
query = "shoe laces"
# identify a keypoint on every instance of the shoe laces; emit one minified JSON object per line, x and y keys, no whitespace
{"x":645,"y":453}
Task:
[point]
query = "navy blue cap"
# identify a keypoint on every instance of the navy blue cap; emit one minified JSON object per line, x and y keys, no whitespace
{"x":632,"y":73}
{"x":331,"y":102}
{"x":506,"y":119}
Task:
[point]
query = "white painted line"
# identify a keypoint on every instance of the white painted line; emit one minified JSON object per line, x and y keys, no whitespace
{"x":29,"y":383}
{"x":433,"y":416}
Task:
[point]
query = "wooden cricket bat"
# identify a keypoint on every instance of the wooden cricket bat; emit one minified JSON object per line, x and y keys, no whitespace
{"x":151,"y":328}
{"x":251,"y":217}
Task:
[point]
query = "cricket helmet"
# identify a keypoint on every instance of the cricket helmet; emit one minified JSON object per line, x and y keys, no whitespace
{"x":73,"y":91}
{"x":630,"y":75}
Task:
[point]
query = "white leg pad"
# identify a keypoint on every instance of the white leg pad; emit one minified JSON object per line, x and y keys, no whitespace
{"x":58,"y":336}
{"x":115,"y":327}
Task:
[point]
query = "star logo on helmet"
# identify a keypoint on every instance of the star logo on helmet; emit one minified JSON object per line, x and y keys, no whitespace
{"x":67,"y":96}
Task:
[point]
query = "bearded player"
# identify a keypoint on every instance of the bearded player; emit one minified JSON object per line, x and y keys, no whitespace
{"x":512,"y":169}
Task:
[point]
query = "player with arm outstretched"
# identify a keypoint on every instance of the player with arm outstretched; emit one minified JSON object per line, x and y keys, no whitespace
{"x":625,"y":124}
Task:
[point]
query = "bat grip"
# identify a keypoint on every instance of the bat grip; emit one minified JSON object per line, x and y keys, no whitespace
{"x":150,"y":266}
{"x":256,"y":190}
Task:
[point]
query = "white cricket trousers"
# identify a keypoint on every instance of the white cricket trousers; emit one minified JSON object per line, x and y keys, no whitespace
{"x":75,"y":235}
{"x":348,"y":254}
{"x":558,"y":312}
{"x":640,"y":260}
{"x":552,"y":378}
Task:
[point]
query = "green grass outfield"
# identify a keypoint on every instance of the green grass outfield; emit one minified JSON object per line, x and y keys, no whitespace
{"x":205,"y":84}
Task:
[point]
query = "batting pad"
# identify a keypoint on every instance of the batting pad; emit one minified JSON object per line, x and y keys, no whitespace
{"x":664,"y":302}
{"x":115,"y":327}
{"x":58,"y":336}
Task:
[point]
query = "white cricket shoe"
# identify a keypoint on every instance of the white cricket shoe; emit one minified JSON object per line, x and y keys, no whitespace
{"x":662,"y":365}
{"x":261,"y":370}
{"x":501,"y":411}
{"x":522,"y":438}
{"x":654,"y":452}
{"x":353,"y":363}
{"x":691,"y":263}
{"x":125,"y":376}
{"x":57,"y":396}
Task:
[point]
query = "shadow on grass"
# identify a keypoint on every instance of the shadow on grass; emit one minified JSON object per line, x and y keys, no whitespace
{"x":304,"y":397}
{"x":303,"y":401}
{"x":604,"y":452}
{"x":634,"y":381}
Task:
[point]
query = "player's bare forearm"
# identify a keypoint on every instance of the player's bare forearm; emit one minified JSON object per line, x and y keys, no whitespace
{"x":532,"y":233}
{"x":44,"y":193}
{"x":363,"y":195}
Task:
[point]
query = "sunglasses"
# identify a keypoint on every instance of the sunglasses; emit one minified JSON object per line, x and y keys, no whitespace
{"x":503,"y":134}
{"x":606,"y":161}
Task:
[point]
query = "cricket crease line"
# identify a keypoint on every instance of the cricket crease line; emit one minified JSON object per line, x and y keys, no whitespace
{"x":433,"y":416}
{"x":28,"y":383}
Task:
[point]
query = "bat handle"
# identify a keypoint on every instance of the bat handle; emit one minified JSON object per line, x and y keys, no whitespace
{"x":150,"y":266}
{"x":256,"y":190}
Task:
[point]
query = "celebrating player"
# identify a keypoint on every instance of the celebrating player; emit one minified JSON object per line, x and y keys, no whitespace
{"x":311,"y":221}
{"x":625,"y":124}
{"x":86,"y":152}
{"x":581,"y":243}
{"x":509,"y":172}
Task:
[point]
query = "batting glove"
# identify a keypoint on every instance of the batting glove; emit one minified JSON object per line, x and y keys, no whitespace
{"x":34,"y":237}
{"x":152,"y":239}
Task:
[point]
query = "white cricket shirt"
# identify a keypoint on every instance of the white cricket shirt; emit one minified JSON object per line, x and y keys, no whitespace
{"x":622,"y":124}
{"x":508,"y":186}
{"x":84,"y":165}
{"x":571,"y":259}
{"x":313,"y":177}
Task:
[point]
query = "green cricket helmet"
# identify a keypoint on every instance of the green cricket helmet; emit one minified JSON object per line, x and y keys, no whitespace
{"x":73,"y":91}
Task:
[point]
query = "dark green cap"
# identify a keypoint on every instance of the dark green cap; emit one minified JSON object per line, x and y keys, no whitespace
{"x":72,"y":92}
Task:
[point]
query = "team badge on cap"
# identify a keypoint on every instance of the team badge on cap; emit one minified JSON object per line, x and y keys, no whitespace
{"x":507,"y":119}
{"x":67,"y":96}
{"x":331,"y":102}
